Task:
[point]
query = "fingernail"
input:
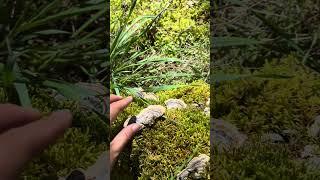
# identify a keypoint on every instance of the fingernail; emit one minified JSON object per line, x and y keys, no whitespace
{"x":130,"y":98}
{"x":136,"y":127}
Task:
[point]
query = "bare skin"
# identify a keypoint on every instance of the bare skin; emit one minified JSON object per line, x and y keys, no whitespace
{"x":118,"y":104}
{"x":24,"y":133}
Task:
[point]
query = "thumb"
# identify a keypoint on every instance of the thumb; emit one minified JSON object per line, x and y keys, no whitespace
{"x":121,"y":140}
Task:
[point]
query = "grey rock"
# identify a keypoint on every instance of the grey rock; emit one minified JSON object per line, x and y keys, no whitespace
{"x":195,"y":168}
{"x":146,"y":95}
{"x":272,"y":138}
{"x":175,"y":104}
{"x":148,"y":115}
{"x":314,"y":129}
{"x":196,"y":105}
{"x":313,"y":163}
{"x":310,"y":151}
{"x":207,"y":111}
{"x":97,"y":101}
{"x":225,"y":135}
{"x":208,"y":102}
{"x":310,"y":155}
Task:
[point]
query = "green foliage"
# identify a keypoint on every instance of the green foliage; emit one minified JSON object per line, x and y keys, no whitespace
{"x":263,"y":105}
{"x":131,"y":67}
{"x":265,"y":30}
{"x":37,"y":44}
{"x":158,"y":152}
{"x":151,"y":42}
{"x":185,"y":22}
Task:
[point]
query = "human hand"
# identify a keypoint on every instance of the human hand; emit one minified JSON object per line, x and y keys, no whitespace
{"x":24,"y":133}
{"x":118,"y":104}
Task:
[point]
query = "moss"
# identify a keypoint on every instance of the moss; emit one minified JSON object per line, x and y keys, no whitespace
{"x":74,"y":150}
{"x":78,"y":148}
{"x":261,"y":105}
{"x":158,"y":152}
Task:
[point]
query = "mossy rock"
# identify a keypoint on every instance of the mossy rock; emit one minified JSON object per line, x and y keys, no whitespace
{"x":268,"y":105}
{"x":160,"y":151}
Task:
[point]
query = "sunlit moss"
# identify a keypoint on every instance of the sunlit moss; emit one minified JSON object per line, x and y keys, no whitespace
{"x":262,"y":105}
{"x":78,"y":148}
{"x":159,"y":151}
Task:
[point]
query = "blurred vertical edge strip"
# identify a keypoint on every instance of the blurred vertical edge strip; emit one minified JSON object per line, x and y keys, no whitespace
{"x":214,"y":6}
{"x":108,"y":84}
{"x":211,"y":34}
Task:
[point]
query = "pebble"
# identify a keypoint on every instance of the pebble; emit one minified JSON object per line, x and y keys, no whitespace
{"x":195,"y":168}
{"x":91,"y":102}
{"x":147,"y":95}
{"x":314,"y":129}
{"x":207,"y":111}
{"x":311,"y":155}
{"x":309,"y":151}
{"x":175,"y":104}
{"x":272,"y":138}
{"x":225,"y":135}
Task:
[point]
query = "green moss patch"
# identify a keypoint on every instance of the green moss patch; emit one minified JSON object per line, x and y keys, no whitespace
{"x":159,"y":152}
{"x":263,"y":105}
{"x":78,"y":148}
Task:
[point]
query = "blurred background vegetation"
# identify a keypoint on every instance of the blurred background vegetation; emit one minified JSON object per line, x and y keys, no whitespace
{"x":167,"y":43}
{"x":51,"y":45}
{"x":265,"y":79}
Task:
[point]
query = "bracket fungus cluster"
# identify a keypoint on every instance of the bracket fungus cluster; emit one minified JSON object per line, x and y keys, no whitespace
{"x":195,"y":168}
{"x":147,"y":116}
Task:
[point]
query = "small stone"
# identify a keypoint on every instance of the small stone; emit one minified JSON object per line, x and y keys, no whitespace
{"x":314,"y":129}
{"x":175,"y":104}
{"x":147,"y":116}
{"x":146,"y":95}
{"x":272,"y":138}
{"x":309,"y":151}
{"x":310,"y":154}
{"x":195,"y":168}
{"x":225,"y":135}
{"x":97,"y":101}
{"x":207,"y":111}
{"x":208,"y":102}
{"x":196,"y":105}
{"x":313,"y":163}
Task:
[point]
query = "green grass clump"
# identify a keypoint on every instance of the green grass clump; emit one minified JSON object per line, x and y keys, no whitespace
{"x":263,"y":105}
{"x":158,"y":152}
{"x":183,"y":23}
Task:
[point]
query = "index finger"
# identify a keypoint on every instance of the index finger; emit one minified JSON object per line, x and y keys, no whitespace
{"x":20,"y":144}
{"x":118,"y":106}
{"x":13,"y":116}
